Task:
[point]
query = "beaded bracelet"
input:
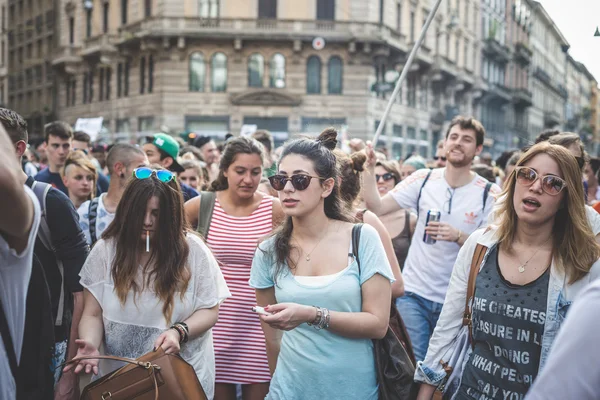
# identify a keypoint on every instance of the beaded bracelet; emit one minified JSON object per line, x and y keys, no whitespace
{"x":180,"y":327}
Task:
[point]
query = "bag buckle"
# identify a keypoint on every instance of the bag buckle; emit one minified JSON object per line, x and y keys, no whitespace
{"x":148,"y":365}
{"x":107,"y":394}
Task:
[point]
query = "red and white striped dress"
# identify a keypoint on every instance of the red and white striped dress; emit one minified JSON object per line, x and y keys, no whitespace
{"x":240,"y":351}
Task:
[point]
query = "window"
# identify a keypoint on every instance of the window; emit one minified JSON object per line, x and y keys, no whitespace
{"x":88,"y":23}
{"x":218,"y":71}
{"x":142,"y":75}
{"x":425,"y":41}
{"x":126,"y":79}
{"x":119,"y":79}
{"x":91,"y":83}
{"x":326,"y":10}
{"x":68,"y":92}
{"x":256,"y":70}
{"x":150,"y":73}
{"x":123,"y":12}
{"x":73,"y":91}
{"x":101,"y":85}
{"x":411,"y":96}
{"x":123,"y":125}
{"x":313,"y":75}
{"x":147,"y":8}
{"x":398,"y":16}
{"x":277,"y":71}
{"x":457,"y":49}
{"x":108,"y":82}
{"x":146,"y":124}
{"x":197,"y":72}
{"x":466,"y":55}
{"x":71,"y":30}
{"x":466,"y":19}
{"x":208,"y":8}
{"x":412,"y":27}
{"x":105,"y":17}
{"x":335,"y":74}
{"x":267,"y":9}
{"x":85,"y":88}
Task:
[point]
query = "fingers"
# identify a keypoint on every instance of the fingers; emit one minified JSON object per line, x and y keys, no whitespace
{"x":160,"y":340}
{"x":276,"y":307}
{"x":67,"y":368}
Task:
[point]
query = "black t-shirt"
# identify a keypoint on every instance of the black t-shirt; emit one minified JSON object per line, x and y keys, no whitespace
{"x":508,"y":324}
{"x":71,"y":248}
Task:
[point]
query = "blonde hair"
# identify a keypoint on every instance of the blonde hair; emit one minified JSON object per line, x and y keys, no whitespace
{"x":575,"y":247}
{"x":79,"y":159}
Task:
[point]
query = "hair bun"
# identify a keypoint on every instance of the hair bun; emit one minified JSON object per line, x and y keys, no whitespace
{"x":358,"y":161}
{"x":328,"y":138}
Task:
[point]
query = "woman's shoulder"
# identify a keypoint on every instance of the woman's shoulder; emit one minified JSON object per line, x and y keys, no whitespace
{"x":197,"y":245}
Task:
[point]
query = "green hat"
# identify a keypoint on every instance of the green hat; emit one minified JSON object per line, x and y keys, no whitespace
{"x":170,"y":146}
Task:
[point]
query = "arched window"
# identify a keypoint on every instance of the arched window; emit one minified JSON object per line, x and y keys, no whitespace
{"x":313,"y":75}
{"x":277,"y":67}
{"x":256,"y":70}
{"x":336,"y":74}
{"x":218,"y":67}
{"x":197,"y":72}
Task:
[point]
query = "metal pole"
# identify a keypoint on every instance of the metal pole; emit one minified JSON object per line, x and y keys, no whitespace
{"x":405,"y":70}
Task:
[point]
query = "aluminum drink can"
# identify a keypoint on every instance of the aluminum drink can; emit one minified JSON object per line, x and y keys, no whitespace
{"x":433,"y":215}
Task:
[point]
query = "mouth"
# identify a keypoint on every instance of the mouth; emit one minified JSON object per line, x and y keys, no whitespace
{"x":382,"y":188}
{"x":289,"y":202}
{"x":531,"y":204}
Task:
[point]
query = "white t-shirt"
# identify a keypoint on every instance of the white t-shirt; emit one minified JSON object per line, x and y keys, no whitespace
{"x":593,"y":218}
{"x":103,"y":218}
{"x":428,"y":266}
{"x":131,"y":329}
{"x":15,"y":272}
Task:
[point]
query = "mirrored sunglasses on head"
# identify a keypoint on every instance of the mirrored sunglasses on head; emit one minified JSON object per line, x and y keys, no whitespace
{"x":145,"y":173}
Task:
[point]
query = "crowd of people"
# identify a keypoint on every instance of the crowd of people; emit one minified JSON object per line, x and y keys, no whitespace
{"x":127,"y":248}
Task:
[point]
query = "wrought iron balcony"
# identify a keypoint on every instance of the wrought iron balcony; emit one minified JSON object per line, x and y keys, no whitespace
{"x":522,"y":98}
{"x":496,"y":50}
{"x":523,"y":53}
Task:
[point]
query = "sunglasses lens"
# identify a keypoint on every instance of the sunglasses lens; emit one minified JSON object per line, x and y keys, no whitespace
{"x":388,"y":176}
{"x":277,"y":182}
{"x":142,"y":173}
{"x":526,"y":176}
{"x":552,"y":185}
{"x":164,"y":176}
{"x":300,"y":182}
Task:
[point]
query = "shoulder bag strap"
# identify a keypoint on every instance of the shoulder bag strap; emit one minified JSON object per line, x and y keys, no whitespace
{"x":207,"y":206}
{"x":478,"y":256}
{"x":355,"y":243}
{"x":8,"y":343}
{"x":92,"y":214}
{"x":421,"y":190}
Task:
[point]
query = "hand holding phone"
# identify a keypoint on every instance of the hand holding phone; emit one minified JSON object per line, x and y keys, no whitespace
{"x":260,"y":310}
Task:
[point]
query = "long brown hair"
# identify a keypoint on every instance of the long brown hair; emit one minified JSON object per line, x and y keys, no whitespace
{"x":169,"y":272}
{"x":239,"y":145}
{"x":575,"y":248}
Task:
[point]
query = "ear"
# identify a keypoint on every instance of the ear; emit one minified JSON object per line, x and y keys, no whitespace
{"x":167,"y":162}
{"x":65,"y":180}
{"x":327,"y":185}
{"x":118,"y":168}
{"x":21,"y":147}
{"x":478,"y":150}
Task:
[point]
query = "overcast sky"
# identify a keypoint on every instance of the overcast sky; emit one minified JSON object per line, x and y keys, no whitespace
{"x":577,"y":20}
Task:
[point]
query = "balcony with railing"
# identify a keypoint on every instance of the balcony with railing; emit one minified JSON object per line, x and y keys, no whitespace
{"x":522,"y":98}
{"x":523,"y":53}
{"x":496,"y":50}
{"x":551,"y":118}
{"x":66,"y":55}
{"x":99,"y":45}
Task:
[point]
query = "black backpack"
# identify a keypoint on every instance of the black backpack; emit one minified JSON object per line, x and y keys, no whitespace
{"x":33,"y":375}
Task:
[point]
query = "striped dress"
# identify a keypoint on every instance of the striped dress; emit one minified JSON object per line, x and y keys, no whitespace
{"x":240,"y":351}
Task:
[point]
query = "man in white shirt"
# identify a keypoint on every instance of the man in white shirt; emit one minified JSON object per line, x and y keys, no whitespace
{"x":122,"y":159}
{"x":464,"y":199}
{"x":18,"y":230}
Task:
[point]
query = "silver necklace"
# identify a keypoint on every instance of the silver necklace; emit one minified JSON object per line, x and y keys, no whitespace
{"x":314,"y":248}
{"x":522,"y":266}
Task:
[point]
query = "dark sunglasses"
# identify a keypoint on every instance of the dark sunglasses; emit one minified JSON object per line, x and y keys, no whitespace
{"x":386,"y":177}
{"x":145,"y":173}
{"x":551,"y":184}
{"x":580,"y":162}
{"x":439,"y":158}
{"x":299,"y":181}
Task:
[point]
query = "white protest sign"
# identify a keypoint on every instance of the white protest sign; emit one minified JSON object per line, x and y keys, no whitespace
{"x":91,"y":126}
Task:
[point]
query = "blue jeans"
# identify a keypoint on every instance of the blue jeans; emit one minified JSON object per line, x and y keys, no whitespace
{"x":420,"y":317}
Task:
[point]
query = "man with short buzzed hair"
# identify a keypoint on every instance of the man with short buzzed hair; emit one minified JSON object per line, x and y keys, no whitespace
{"x":97,"y":214}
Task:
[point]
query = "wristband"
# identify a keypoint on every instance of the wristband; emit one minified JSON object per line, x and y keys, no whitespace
{"x":459,"y":235}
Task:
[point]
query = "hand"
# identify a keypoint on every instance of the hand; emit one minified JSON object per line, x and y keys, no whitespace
{"x":67,"y":387}
{"x":168,"y":341}
{"x":287,"y":316}
{"x":85,"y":349}
{"x":442,"y":231}
{"x":371,"y":158}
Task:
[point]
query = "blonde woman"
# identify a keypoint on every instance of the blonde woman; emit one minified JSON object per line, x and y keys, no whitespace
{"x":80,"y":177}
{"x":539,"y":257}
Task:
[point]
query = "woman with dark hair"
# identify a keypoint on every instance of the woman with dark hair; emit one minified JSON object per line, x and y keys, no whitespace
{"x":538,"y":258}
{"x":326,"y":350}
{"x":241,"y":216}
{"x":150,"y":282}
{"x":350,"y":167}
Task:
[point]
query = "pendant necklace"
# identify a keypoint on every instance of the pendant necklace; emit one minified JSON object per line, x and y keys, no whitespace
{"x":314,"y":248}
{"x":522,"y":266}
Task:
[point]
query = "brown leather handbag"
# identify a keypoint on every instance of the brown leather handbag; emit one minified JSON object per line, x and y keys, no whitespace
{"x":153,"y":376}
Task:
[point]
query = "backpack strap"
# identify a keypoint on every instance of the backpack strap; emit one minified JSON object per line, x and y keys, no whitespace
{"x":207,"y":206}
{"x":8,"y":344}
{"x":420,"y":190}
{"x":486,"y":193}
{"x":478,"y":256}
{"x":356,"y":229}
{"x":92,"y":215}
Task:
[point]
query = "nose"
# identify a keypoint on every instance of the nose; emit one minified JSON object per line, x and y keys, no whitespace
{"x":536,"y":186}
{"x":289,"y":187}
{"x":148,"y":220}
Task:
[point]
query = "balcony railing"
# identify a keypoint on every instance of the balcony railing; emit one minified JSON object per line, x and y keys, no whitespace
{"x":104,"y":43}
{"x":66,"y":54}
{"x":551,"y":118}
{"x":522,"y":97}
{"x":496,"y":50}
{"x":523,"y":53}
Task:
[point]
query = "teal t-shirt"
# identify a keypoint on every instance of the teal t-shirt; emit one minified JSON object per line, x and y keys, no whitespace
{"x":320,"y":364}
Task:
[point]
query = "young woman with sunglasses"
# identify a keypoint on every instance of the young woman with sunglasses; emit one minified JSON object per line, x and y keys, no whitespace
{"x":150,"y":283}
{"x":241,"y":216}
{"x":539,"y":257}
{"x":312,"y":288}
{"x":400,"y":224}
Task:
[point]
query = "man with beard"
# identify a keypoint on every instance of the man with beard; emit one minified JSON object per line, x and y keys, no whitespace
{"x":464,"y":199}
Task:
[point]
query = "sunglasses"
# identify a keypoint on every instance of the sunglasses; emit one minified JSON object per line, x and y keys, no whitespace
{"x":299,"y":181}
{"x":551,"y":184}
{"x":580,"y":161}
{"x":439,"y":158}
{"x":145,"y":173}
{"x":386,"y":177}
